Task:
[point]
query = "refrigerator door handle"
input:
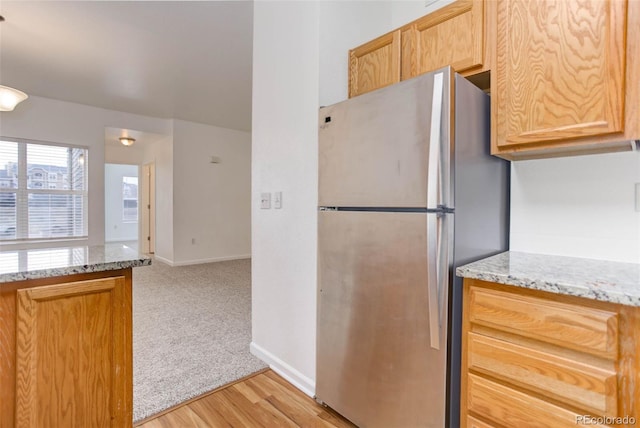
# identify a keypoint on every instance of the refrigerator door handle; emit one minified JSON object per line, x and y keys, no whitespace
{"x":433,"y":198}
{"x":434,"y":177}
{"x":433,"y":279}
{"x":438,"y":276}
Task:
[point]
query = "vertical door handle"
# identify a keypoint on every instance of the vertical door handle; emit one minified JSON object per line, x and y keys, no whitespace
{"x":432,"y":279}
{"x":434,"y":178}
{"x":433,"y":201}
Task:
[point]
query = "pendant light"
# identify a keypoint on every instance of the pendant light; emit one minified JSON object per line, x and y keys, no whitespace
{"x":10,"y":98}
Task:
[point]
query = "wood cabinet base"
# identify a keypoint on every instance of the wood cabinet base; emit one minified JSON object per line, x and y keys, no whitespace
{"x":66,"y":352}
{"x":532,"y":358}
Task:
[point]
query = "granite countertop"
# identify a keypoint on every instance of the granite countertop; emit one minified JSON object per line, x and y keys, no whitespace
{"x":49,"y":262}
{"x":593,"y":279}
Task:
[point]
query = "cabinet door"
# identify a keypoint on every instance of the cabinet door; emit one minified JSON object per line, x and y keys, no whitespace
{"x":453,"y":35}
{"x":560,"y":70}
{"x":375,"y":64}
{"x":73,"y":356}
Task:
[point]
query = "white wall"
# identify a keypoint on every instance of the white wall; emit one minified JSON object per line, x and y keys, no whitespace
{"x":285,"y":104}
{"x":120,"y":154}
{"x":212,"y":202}
{"x":343,"y":26}
{"x":115,"y":228}
{"x":227,"y":188}
{"x":578,"y":206}
{"x":292,"y":77}
{"x":405,"y":11}
{"x":62,"y":122}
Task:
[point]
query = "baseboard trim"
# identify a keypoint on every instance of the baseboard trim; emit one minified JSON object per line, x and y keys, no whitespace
{"x":201,"y":261}
{"x":297,"y":379}
{"x":163,"y":260}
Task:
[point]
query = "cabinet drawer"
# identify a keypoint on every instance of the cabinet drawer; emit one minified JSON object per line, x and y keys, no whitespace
{"x":581,"y":328}
{"x":510,"y":408}
{"x":568,"y":380}
{"x":474,"y":423}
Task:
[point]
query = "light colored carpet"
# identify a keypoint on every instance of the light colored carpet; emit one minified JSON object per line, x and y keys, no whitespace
{"x":191,"y":331}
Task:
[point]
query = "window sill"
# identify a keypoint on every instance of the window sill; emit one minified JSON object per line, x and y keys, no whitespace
{"x":26,"y":244}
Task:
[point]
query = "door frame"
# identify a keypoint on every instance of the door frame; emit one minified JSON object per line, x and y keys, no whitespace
{"x":148,"y":212}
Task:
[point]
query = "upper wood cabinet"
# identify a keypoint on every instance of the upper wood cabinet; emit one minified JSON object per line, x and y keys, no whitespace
{"x":375,"y":64}
{"x":565,"y":77}
{"x":454,"y":35}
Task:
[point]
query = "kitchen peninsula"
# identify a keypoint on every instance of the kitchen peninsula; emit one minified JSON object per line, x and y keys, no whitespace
{"x":550,"y":339}
{"x":66,"y":336}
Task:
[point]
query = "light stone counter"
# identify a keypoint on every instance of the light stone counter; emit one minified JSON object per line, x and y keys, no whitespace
{"x":43,"y":263}
{"x":593,"y":279}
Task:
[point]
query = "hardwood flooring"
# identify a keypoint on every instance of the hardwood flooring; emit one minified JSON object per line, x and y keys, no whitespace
{"x":262,"y":400}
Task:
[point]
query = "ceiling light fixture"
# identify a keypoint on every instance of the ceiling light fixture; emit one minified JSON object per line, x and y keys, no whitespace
{"x":127,"y":141}
{"x":10,"y":98}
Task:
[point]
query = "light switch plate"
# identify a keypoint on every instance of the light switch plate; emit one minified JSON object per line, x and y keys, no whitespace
{"x":277,"y":200}
{"x":265,"y":201}
{"x":637,"y":197}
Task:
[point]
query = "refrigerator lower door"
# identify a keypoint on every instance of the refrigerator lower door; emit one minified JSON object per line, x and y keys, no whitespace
{"x":376,"y":363}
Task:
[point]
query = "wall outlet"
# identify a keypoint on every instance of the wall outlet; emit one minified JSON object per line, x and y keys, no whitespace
{"x":193,"y":241}
{"x":277,"y":200}
{"x":265,"y":201}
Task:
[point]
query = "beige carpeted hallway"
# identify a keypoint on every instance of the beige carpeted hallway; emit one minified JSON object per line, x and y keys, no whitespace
{"x":191,"y":331}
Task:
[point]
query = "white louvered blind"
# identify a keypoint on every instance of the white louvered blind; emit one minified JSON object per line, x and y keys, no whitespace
{"x":43,"y":191}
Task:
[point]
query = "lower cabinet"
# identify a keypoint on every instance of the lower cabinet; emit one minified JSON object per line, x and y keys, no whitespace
{"x":69,"y":363}
{"x":537,"y":359}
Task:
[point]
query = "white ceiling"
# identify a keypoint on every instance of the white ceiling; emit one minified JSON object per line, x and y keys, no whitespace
{"x":188,"y":60}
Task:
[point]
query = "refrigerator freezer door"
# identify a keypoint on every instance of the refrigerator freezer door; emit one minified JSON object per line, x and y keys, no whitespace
{"x":374,"y":149}
{"x":376,"y":365}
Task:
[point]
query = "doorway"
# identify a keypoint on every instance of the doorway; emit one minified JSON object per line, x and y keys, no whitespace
{"x":121,"y":204}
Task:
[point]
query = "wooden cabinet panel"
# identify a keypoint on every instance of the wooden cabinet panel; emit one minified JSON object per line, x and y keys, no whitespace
{"x":474,"y":423}
{"x":563,"y":78}
{"x":375,"y":64}
{"x":584,"y":329}
{"x":73,"y":354}
{"x":7,"y":357}
{"x":561,"y":69}
{"x":460,"y":34}
{"x":511,"y":408}
{"x":523,"y":363}
{"x":559,"y":377}
{"x":453,"y":35}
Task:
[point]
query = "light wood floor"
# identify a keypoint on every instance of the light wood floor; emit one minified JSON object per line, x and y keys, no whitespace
{"x":263,"y":400}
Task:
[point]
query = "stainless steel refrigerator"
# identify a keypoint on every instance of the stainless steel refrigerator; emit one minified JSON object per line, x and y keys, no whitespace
{"x":407,"y":192}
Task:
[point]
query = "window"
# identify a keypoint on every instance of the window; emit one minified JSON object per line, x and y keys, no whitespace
{"x":130,"y":199}
{"x":44,"y":190}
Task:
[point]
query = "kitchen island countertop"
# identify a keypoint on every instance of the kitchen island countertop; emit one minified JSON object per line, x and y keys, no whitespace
{"x":602,"y":280}
{"x":22,"y":265}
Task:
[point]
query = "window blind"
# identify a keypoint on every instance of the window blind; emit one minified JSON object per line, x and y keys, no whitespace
{"x":43,"y":191}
